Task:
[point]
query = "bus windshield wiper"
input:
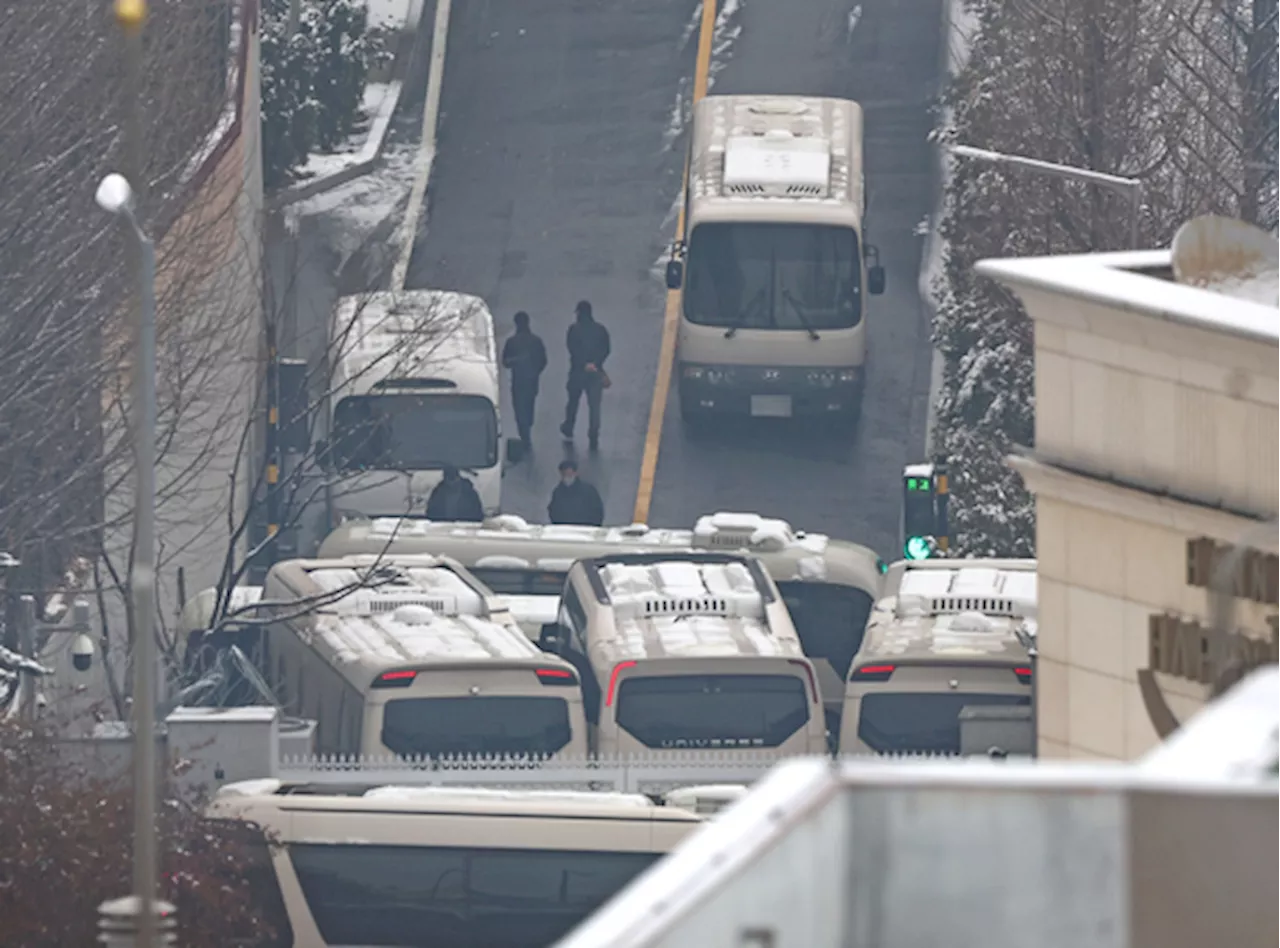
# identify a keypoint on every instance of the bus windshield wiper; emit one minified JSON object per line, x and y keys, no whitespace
{"x":756,"y":300}
{"x":804,"y":320}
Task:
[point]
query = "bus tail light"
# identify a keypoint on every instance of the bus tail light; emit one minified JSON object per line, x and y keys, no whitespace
{"x":1024,"y":674}
{"x":613,"y":681}
{"x":808,"y":670}
{"x":395,"y":679}
{"x":556,"y":677}
{"x":873,"y":673}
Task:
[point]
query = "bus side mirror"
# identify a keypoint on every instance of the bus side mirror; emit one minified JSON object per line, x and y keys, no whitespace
{"x":675,"y":274}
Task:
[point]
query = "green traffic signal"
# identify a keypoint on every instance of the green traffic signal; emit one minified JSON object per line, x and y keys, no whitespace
{"x":917,"y":548}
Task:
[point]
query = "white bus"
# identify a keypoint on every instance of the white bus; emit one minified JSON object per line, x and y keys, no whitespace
{"x":449,"y":868}
{"x":774,"y":272}
{"x":691,"y":651}
{"x":411,"y":656}
{"x":944,"y":638}
{"x":414,"y":388}
{"x":828,"y":585}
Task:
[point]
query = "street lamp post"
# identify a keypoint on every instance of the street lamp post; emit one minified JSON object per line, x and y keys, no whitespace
{"x":115,"y":196}
{"x":1129,"y":187}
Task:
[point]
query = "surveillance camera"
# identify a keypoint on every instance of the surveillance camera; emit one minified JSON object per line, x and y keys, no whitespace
{"x":82,"y":652}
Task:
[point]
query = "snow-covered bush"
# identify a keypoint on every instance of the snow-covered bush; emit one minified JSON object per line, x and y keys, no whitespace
{"x":313,"y":79}
{"x":1091,"y":85}
{"x":66,"y":846}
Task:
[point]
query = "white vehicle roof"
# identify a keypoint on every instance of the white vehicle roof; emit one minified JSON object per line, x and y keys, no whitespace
{"x":510,"y":542}
{"x":771,"y":157}
{"x":675,"y":608}
{"x":198,"y":611}
{"x":258,"y":798}
{"x":412,"y":610}
{"x":416,"y":334}
{"x":953,"y":610}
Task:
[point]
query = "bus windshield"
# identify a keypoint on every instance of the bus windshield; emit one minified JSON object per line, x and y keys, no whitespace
{"x":496,"y":724}
{"x":414,"y":432}
{"x":712,"y":711}
{"x":456,"y":897}
{"x":773,"y":276}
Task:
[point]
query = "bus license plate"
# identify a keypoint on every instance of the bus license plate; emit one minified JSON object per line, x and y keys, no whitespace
{"x":771,"y":406}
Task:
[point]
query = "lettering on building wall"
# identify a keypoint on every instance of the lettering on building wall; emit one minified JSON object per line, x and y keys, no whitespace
{"x":1186,"y":649}
{"x":1256,"y":576}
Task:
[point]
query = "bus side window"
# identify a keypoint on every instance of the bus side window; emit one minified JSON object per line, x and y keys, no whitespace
{"x":830,"y":620}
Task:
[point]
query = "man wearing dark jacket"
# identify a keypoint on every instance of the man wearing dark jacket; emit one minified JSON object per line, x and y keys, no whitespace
{"x":588,"y":344}
{"x":575,"y":501}
{"x":455,"y":498}
{"x":526,"y":357}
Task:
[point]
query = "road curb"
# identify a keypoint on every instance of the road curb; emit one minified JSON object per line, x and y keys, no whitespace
{"x":369,"y":157}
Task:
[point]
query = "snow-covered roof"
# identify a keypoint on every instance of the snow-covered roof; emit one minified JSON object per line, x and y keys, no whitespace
{"x":510,"y":542}
{"x":987,"y":590}
{"x":955,"y":637}
{"x":410,"y":609}
{"x":414,"y":334}
{"x":678,"y":608}
{"x":1114,"y":280}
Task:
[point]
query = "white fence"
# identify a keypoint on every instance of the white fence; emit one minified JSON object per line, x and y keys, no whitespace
{"x":649,"y":774}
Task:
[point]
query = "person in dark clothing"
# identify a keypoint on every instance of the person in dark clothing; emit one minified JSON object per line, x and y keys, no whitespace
{"x":575,"y":501}
{"x":455,"y":498}
{"x":588,"y":344}
{"x":526,"y":357}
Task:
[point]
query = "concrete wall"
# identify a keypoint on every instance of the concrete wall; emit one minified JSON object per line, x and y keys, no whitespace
{"x":1149,"y":433}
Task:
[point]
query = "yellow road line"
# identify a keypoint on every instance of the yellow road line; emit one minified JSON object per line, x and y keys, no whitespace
{"x":671,"y":317}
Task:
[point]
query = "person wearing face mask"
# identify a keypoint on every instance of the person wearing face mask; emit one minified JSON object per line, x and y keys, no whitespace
{"x":574,"y":501}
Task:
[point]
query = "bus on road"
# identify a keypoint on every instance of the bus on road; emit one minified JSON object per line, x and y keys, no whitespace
{"x":774,"y":272}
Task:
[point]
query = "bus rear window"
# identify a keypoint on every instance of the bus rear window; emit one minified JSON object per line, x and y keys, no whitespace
{"x":712,"y":711}
{"x":921,"y":722}
{"x":453,"y":897}
{"x":520,"y":582}
{"x":497,"y":724}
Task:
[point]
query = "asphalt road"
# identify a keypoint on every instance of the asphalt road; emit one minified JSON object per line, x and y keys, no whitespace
{"x":558,"y":164}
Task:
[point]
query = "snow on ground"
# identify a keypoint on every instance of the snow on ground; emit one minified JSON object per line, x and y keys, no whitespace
{"x":726,"y":32}
{"x":390,"y":14}
{"x":352,"y":212}
{"x":323,"y":165}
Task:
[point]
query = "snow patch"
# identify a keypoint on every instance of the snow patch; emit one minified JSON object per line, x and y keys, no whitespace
{"x":723,"y":36}
{"x":361,"y":144}
{"x":855,"y":15}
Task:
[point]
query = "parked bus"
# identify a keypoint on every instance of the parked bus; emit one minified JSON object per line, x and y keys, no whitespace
{"x":414,"y":388}
{"x":688,"y":651}
{"x":448,"y":867}
{"x":948,"y":635}
{"x":828,"y":585}
{"x":773,"y":311}
{"x":413,"y":656}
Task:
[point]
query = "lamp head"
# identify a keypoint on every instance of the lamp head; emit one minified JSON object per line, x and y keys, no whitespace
{"x":114,"y":195}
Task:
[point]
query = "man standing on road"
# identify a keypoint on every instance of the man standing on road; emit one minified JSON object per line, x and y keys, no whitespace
{"x":526,"y":357}
{"x":588,"y":344}
{"x":575,"y":501}
{"x":455,"y":499}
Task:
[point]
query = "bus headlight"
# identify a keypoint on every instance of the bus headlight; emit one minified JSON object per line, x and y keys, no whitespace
{"x":848,"y":375}
{"x":822,"y":377}
{"x":720,"y":376}
{"x":694,"y":372}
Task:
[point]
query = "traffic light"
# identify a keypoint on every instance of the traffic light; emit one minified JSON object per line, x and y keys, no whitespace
{"x":924,"y":510}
